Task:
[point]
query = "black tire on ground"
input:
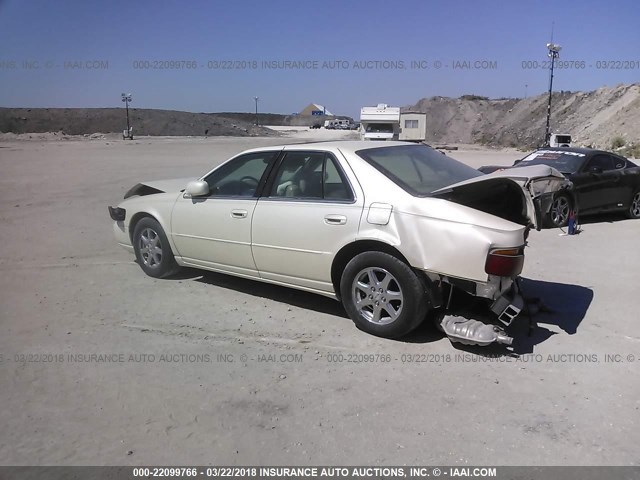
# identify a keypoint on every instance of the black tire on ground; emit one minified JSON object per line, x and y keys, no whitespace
{"x":634,"y":207}
{"x":152,"y":249}
{"x":372,"y":277}
{"x":560,"y":207}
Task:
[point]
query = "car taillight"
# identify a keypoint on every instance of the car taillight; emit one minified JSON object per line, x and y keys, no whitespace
{"x":504,"y":262}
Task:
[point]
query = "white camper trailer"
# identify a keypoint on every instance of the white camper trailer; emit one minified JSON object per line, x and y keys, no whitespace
{"x":381,"y":122}
{"x":413,"y":127}
{"x":337,"y":124}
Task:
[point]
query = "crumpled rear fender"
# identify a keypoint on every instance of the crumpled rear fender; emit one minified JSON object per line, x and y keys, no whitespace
{"x":445,"y":247}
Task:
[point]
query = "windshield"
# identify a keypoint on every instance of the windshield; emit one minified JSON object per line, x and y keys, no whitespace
{"x":564,"y":161}
{"x":418,"y":169}
{"x":379,"y":128}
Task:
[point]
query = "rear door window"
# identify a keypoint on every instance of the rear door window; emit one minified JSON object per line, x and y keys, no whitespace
{"x":600,"y":161}
{"x":310,"y":176}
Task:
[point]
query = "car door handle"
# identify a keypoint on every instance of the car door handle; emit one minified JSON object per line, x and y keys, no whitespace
{"x":238,"y":214}
{"x":335,"y":219}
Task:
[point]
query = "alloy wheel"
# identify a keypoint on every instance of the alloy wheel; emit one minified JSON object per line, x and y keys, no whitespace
{"x":635,"y":205}
{"x":560,"y":210}
{"x":150,"y":248}
{"x":377,"y":295}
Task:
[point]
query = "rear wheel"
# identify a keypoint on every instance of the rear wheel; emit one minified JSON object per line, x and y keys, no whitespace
{"x":152,"y":249}
{"x":634,"y":207}
{"x":382,"y":295}
{"x":560,"y":208}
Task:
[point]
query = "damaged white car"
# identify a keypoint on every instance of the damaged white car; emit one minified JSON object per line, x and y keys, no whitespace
{"x":390,"y":229}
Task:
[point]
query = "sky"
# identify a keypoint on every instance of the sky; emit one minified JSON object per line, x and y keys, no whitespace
{"x":215,"y":56}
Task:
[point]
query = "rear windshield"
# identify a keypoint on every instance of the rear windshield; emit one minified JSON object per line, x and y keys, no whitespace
{"x":564,"y":161}
{"x":418,"y":169}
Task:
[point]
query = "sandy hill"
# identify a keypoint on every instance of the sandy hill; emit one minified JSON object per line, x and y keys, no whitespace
{"x":78,"y":121}
{"x":81,"y":121}
{"x":592,"y":118}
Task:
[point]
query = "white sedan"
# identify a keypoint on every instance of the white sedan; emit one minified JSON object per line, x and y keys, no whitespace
{"x":391,"y":229}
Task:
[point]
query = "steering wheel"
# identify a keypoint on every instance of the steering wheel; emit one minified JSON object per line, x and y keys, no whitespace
{"x":248,"y":177}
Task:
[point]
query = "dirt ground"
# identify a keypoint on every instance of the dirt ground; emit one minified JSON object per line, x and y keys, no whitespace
{"x":205,"y":369}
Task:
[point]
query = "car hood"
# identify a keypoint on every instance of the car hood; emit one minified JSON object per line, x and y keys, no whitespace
{"x":159,"y":186}
{"x":497,"y":192}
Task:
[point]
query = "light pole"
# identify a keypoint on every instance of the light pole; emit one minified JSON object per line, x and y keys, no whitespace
{"x":126,"y":98}
{"x":554,"y":53}
{"x":256,"y":99}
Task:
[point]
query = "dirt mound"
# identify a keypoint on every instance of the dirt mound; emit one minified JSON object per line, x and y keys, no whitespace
{"x":592,"y":118}
{"x":81,"y":121}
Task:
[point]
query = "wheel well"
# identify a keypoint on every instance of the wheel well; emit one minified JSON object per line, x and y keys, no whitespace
{"x":134,"y":221}
{"x":349,"y":251}
{"x":571,"y":195}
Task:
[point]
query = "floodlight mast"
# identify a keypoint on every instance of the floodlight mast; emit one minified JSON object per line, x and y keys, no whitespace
{"x":126,"y":98}
{"x":256,"y":99}
{"x":554,"y":53}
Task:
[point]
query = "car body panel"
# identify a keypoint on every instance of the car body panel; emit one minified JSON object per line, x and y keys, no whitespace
{"x":296,"y":241}
{"x":455,"y":248}
{"x":158,"y":186}
{"x":538,"y":182}
{"x":159,"y":207}
{"x":215,"y":233}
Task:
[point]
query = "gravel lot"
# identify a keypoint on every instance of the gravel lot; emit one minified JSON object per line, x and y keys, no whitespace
{"x":207,"y":369}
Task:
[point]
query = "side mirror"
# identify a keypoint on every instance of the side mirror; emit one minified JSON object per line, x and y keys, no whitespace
{"x":197,"y":188}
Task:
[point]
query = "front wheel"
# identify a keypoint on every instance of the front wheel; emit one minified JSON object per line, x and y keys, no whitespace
{"x":634,"y":207}
{"x":560,"y":208}
{"x":152,"y":249}
{"x":382,"y":295}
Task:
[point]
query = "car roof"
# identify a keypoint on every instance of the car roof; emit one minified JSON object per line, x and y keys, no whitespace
{"x":583,"y":150}
{"x":343,"y":145}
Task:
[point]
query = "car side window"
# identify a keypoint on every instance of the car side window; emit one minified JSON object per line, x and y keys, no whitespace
{"x":310,"y":176}
{"x":240,"y":177}
{"x":299,"y":176}
{"x":619,"y":163}
{"x":336,"y":186}
{"x":603,"y":162}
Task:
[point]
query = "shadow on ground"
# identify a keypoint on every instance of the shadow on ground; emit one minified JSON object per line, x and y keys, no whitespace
{"x":290,"y":296}
{"x":564,"y":306}
{"x":567,"y":306}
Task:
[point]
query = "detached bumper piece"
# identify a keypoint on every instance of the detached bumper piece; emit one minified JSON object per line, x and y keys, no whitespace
{"x":508,"y":307}
{"x":117,"y":214}
{"x":473,"y":332}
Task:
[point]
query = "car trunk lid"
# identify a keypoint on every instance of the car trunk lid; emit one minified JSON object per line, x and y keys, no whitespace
{"x":522,"y":195}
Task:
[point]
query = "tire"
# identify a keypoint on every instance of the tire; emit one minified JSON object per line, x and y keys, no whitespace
{"x":559,"y":213}
{"x":372,"y":310}
{"x":634,"y":207}
{"x":152,"y":249}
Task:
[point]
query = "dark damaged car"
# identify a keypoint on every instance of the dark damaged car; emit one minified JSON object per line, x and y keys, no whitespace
{"x":602,"y":182}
